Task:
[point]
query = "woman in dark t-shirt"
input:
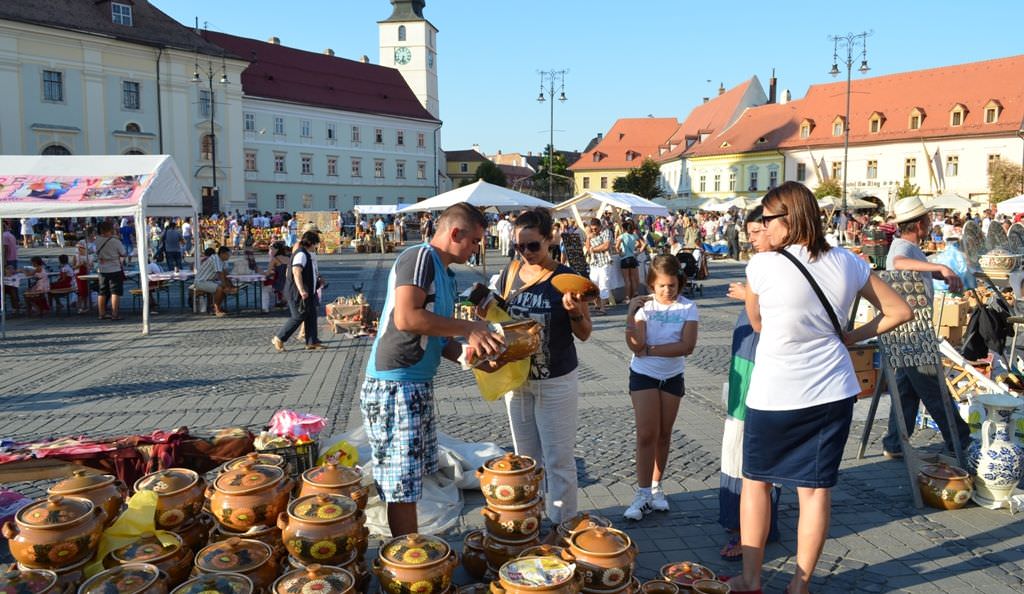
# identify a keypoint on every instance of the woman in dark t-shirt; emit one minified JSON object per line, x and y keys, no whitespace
{"x":543,"y":412}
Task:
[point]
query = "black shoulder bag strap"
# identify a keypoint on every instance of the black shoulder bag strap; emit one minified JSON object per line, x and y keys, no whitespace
{"x":817,"y":291}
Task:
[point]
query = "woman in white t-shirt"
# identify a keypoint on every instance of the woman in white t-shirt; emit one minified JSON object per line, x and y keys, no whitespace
{"x":661,"y":333}
{"x":802,"y":390}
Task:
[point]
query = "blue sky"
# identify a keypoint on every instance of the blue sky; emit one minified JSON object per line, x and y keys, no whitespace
{"x":625,"y":59}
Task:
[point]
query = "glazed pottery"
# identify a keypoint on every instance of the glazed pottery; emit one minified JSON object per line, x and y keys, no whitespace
{"x":249,"y":495}
{"x":68,"y":578}
{"x":335,"y":479}
{"x":998,"y":262}
{"x":354,"y":565}
{"x":268,"y":534}
{"x":323,"y":528}
{"x":498,"y":553}
{"x":164,"y":550}
{"x":547,"y":550}
{"x":659,"y":587}
{"x":251,"y":558}
{"x":477,"y":588}
{"x":195,"y":533}
{"x":55,"y":532}
{"x":415,"y":564}
{"x":533,"y":575}
{"x":633,"y":587}
{"x":134,"y":578}
{"x":605,"y":557}
{"x":104,"y":490}
{"x":513,"y":523}
{"x":581,"y":521}
{"x":944,"y":487}
{"x":257,"y":458}
{"x":474,"y":560}
{"x":179,"y":495}
{"x":222,"y":583}
{"x":998,"y":460}
{"x":321,"y":579}
{"x":685,"y":573}
{"x":29,"y":581}
{"x":510,"y":480}
{"x":522,"y":339}
{"x":711,"y":587}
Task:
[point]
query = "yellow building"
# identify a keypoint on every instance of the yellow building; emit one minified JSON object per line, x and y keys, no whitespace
{"x":462,"y":165}
{"x":627,"y":144}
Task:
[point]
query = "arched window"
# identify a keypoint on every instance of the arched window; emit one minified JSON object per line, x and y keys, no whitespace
{"x":401,"y":32}
{"x":56,"y":149}
{"x":132,"y":127}
{"x":206,"y":147}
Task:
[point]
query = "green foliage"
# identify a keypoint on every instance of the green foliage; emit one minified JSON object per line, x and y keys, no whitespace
{"x":1004,"y":180}
{"x":907,"y":190}
{"x":563,"y":184}
{"x":490,"y":173}
{"x":828,"y":187}
{"x":642,"y":181}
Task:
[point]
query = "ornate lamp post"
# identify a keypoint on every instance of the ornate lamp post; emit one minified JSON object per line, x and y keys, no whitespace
{"x":554,"y":78}
{"x":849,"y":42}
{"x":198,"y":73}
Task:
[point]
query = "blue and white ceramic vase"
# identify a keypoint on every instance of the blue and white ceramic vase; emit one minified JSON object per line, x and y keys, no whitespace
{"x":998,"y":460}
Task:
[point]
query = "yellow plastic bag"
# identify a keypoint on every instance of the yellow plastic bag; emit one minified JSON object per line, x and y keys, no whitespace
{"x":494,"y":385}
{"x":342,"y":453}
{"x":136,"y":520}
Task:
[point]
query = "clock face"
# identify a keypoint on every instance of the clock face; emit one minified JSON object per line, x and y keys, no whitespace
{"x":402,"y":55}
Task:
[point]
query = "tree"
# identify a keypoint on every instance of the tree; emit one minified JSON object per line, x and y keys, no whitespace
{"x":490,"y":173}
{"x":907,"y":190}
{"x":828,"y":187}
{"x":642,"y":181}
{"x":563,"y":182}
{"x":1004,"y":180}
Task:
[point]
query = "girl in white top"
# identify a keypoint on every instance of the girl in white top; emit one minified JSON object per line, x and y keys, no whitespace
{"x":661,"y":332}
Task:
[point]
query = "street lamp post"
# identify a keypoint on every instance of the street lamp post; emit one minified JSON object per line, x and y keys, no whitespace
{"x":197,"y":78}
{"x":553,"y":78}
{"x":1021,"y":134}
{"x":849,"y":42}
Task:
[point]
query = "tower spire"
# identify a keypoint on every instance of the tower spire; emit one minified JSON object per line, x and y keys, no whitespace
{"x":406,"y":10}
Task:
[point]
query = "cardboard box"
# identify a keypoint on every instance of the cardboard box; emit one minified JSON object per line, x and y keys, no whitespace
{"x":949,"y":312}
{"x":863,"y":358}
{"x":868,"y":381}
{"x":953,"y":334}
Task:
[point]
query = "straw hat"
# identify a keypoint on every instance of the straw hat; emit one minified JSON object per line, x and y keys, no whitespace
{"x":908,"y":209}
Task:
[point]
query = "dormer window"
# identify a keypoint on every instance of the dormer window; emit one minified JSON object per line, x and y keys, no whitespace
{"x":630,"y":155}
{"x":838,"y":126}
{"x":992,"y":110}
{"x":598,"y":157}
{"x":121,"y":13}
{"x":806,"y":127}
{"x":916,"y":118}
{"x":725,"y":144}
{"x":875,"y":122}
{"x":762,"y":140}
{"x":957,"y":115}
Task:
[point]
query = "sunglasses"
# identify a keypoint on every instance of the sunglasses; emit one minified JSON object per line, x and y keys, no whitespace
{"x":532,"y":246}
{"x":765,"y":219}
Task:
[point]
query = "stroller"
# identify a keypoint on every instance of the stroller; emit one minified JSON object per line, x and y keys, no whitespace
{"x":695,"y":272}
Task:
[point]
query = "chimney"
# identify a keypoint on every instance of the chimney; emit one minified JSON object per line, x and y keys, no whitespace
{"x":499,"y":152}
{"x":786,"y":97}
{"x":529,"y":153}
{"x":476,"y":147}
{"x":600,"y":135}
{"x":365,"y":59}
{"x":772,"y":84}
{"x":274,"y":41}
{"x":706,"y":99}
{"x":721,"y":88}
{"x":329,"y":52}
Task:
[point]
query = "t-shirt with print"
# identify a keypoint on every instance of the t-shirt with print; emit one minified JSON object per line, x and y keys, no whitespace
{"x":542,"y":302}
{"x":664,"y":326}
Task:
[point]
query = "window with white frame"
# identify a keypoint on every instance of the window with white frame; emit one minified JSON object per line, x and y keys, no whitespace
{"x":604,"y":182}
{"x":952,"y":165}
{"x":307,"y":164}
{"x":753,"y":182}
{"x":130,"y":98}
{"x":332,"y":133}
{"x":305,"y":129}
{"x":463,"y":167}
{"x":278,"y":126}
{"x":837,"y":128}
{"x":718,"y":182}
{"x":586,"y":182}
{"x":279,"y":163}
{"x":279,"y":202}
{"x":732,"y":181}
{"x":357,"y":167}
{"x":252,"y":201}
{"x":992,"y":160}
{"x":421,"y":139}
{"x":380,"y":200}
{"x":121,"y":14}
{"x":801,"y":172}
{"x":421,"y":170}
{"x":332,"y":166}
{"x":205,"y":102}
{"x":957,"y":115}
{"x":991,"y":115}
{"x":773,"y":178}
{"x":910,"y":168}
{"x":805,"y":130}
{"x":249,"y":121}
{"x":250,"y":160}
{"x":332,"y":202}
{"x":355,"y":134}
{"x":837,"y":169}
{"x":356,"y":200}
{"x":378,"y":135}
{"x":872,"y":172}
{"x":400,"y":169}
{"x":378,"y":168}
{"x":206,"y":147}
{"x":307,"y":201}
{"x":915,"y":122}
{"x":401,"y":32}
{"x":703,"y":183}
{"x":53,"y":85}
{"x":400,"y":137}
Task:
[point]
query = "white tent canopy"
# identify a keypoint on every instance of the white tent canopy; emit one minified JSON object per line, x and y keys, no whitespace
{"x":1011,"y":205}
{"x":833,"y":202}
{"x":138,"y":186}
{"x":949,"y":202}
{"x":480,"y":194}
{"x":601,"y":201}
{"x":377,"y":208}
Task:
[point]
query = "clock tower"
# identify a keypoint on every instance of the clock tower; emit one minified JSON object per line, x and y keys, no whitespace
{"x":407,"y":43}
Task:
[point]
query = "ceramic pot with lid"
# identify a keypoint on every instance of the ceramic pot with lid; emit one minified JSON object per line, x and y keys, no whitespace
{"x":258,"y":458}
{"x":268,"y":534}
{"x":55,"y":532}
{"x":323,"y":528}
{"x":510,"y":480}
{"x":222,"y":583}
{"x":134,"y":578}
{"x":28,"y":581}
{"x":474,"y":559}
{"x":605,"y":557}
{"x":249,"y":495}
{"x":354,"y":565}
{"x":513,"y":523}
{"x":945,"y":487}
{"x":498,"y":553}
{"x":335,"y":479}
{"x":68,"y":578}
{"x":195,"y":533}
{"x":164,"y":550}
{"x":104,"y":490}
{"x":581,"y":521}
{"x":415,"y":564}
{"x":533,"y":575}
{"x":179,"y":495}
{"x":251,"y":558}
{"x":547,"y":550}
{"x":322,"y":579}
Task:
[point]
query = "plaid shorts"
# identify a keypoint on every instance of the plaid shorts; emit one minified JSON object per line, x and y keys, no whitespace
{"x":400,"y":425}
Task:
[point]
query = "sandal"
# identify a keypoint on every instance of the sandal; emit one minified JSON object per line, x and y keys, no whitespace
{"x":732,"y":551}
{"x":727,"y":579}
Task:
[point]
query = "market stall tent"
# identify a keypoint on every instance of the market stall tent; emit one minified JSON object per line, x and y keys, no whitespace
{"x":138,"y":186}
{"x":480,"y":194}
{"x":602,"y":201}
{"x":1011,"y":205}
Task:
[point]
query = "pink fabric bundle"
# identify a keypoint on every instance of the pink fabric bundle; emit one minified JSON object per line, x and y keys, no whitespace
{"x":293,"y":425}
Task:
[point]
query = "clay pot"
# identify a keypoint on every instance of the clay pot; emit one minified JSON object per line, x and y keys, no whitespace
{"x":335,"y":479}
{"x":474,"y":560}
{"x":104,"y":490}
{"x":354,"y":565}
{"x":29,"y":581}
{"x":633,"y":587}
{"x":547,"y":550}
{"x":268,"y":534}
{"x":522,"y":339}
{"x":55,"y":532}
{"x":498,"y":553}
{"x":195,"y":533}
{"x":251,"y":558}
{"x":659,"y":587}
{"x":711,"y":587}
{"x":477,"y":588}
{"x":250,"y":495}
{"x":265,"y":458}
{"x":323,"y":528}
{"x":605,"y":557}
{"x":510,"y":480}
{"x":164,"y":550}
{"x":513,"y":523}
{"x":179,"y":495}
{"x":944,"y":487}
{"x":415,"y":563}
{"x":134,"y":578}
{"x":222,"y":583}
{"x":563,"y":579}
{"x":581,"y":521}
{"x":68,"y":578}
{"x":322,"y":579}
{"x":685,"y":573}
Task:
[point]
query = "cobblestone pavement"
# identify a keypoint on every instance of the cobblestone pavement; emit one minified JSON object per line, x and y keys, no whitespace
{"x":75,"y":375}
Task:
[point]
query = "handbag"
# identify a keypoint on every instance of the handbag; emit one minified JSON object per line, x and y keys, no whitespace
{"x":817,"y":291}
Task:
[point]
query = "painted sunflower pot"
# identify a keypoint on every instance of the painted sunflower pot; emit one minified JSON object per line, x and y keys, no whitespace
{"x":249,"y":495}
{"x":55,"y":532}
{"x":104,"y":490}
{"x":415,"y":564}
{"x":179,"y":496}
{"x":134,"y":578}
{"x":510,"y":480}
{"x":321,"y":579}
{"x":323,"y":528}
{"x":604,"y":556}
{"x":337,"y":480}
{"x":251,"y":558}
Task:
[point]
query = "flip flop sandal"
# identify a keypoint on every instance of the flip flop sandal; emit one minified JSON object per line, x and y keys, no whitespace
{"x":732,"y":547}
{"x":727,"y":579}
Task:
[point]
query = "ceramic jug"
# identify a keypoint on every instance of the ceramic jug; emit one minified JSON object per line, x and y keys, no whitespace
{"x":998,"y":461}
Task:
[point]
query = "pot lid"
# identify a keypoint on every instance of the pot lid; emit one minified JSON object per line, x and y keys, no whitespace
{"x":474,"y":539}
{"x":537,"y":572}
{"x":601,"y":541}
{"x":322,"y":508}
{"x":149,"y":548}
{"x":166,"y":482}
{"x":123,"y":579}
{"x":216,"y":583}
{"x":248,"y":477}
{"x":583,"y":520}
{"x":54,"y":511}
{"x":81,"y":480}
{"x":322,"y":579}
{"x":257,"y":458}
{"x":234,"y":554}
{"x":332,"y":475}
{"x":543,"y":550}
{"x":29,"y":581}
{"x":511,"y":463}
{"x":414,"y":549}
{"x":944,"y":471}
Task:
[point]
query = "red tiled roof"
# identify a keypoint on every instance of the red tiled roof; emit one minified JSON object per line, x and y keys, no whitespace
{"x":639,"y":136}
{"x":759,"y":128}
{"x":935,"y":91}
{"x":707,"y":117}
{"x":288,"y":74}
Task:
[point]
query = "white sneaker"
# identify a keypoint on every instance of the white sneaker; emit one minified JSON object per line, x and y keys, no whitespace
{"x":641,"y":505}
{"x":658,"y":501}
